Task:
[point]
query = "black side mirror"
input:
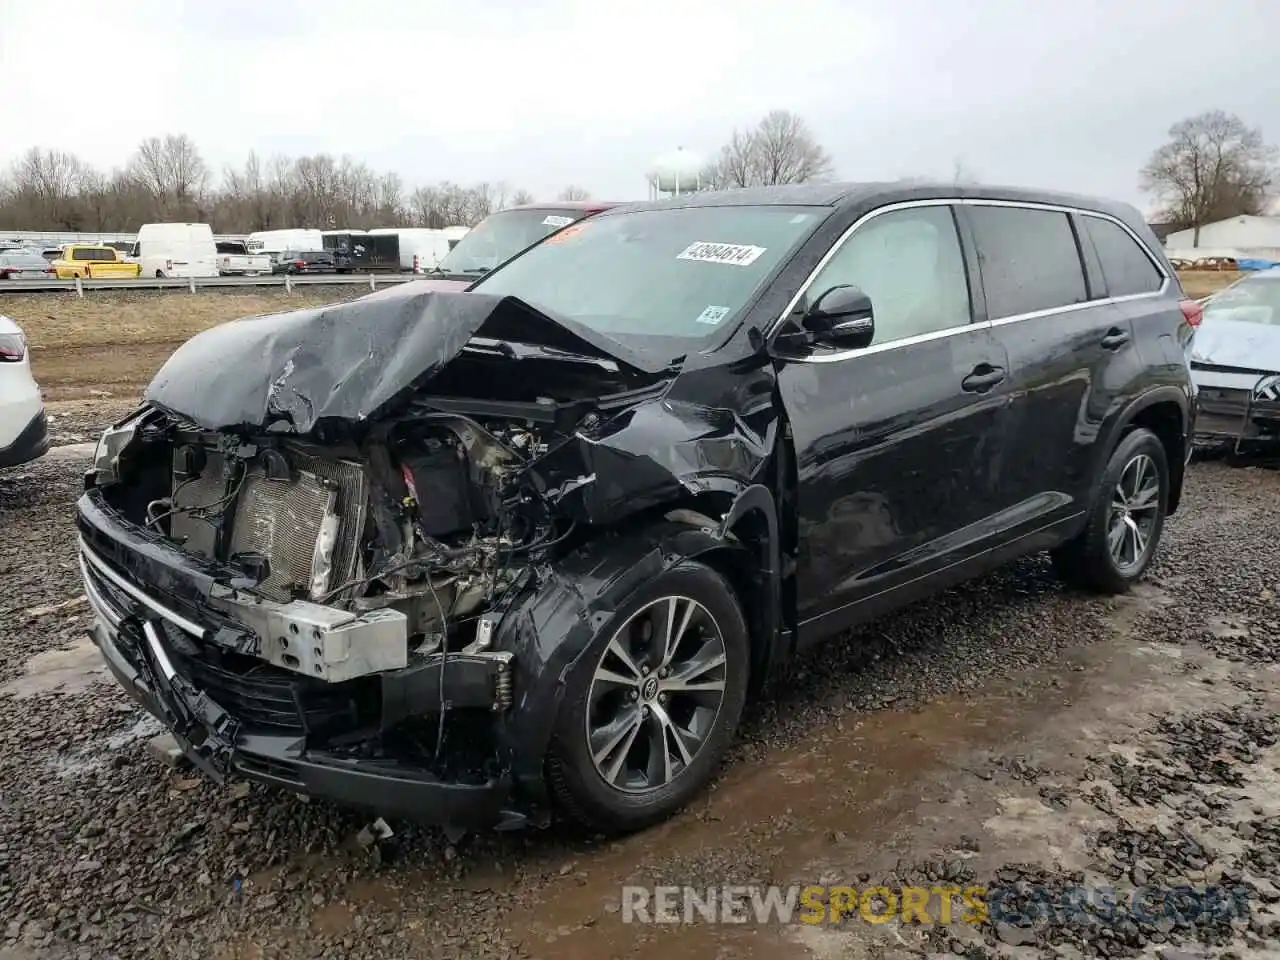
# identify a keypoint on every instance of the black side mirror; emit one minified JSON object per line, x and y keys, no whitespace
{"x":841,"y":317}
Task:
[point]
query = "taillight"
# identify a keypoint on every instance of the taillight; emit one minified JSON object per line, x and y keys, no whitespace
{"x":1192,"y":310}
{"x":299,"y":264}
{"x":13,"y":347}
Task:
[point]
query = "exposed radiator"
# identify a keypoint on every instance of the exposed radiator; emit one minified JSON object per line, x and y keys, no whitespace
{"x":282,"y":519}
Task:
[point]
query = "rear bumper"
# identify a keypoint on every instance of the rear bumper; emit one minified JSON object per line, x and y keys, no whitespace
{"x":31,"y":443}
{"x":147,"y":638}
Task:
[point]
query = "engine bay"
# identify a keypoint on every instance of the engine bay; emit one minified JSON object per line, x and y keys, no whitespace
{"x":432,"y":516}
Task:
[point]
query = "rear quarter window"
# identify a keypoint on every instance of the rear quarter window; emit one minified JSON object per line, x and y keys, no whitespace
{"x":1030,"y":260}
{"x":1126,"y":268}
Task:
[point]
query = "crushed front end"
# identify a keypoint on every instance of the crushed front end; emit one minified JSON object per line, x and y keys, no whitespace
{"x":355,"y":551}
{"x":303,"y":616}
{"x":1236,"y":405}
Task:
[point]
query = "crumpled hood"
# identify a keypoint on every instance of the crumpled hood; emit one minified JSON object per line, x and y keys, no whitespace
{"x":1223,"y":342}
{"x":349,"y":361}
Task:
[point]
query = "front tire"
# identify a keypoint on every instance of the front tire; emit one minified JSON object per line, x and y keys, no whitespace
{"x":1125,"y":520}
{"x":651,"y":707}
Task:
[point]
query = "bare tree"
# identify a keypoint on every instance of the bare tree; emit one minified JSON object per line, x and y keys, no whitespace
{"x":1213,"y":167}
{"x":574,"y":192}
{"x":167,"y":178}
{"x":173,"y":172}
{"x":780,"y":149}
{"x":521,"y":197}
{"x":45,"y":187}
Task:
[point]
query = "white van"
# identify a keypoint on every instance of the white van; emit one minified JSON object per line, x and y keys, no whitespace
{"x":175,"y":250}
{"x":278,"y":241}
{"x":421,"y":248}
{"x":454,"y":234}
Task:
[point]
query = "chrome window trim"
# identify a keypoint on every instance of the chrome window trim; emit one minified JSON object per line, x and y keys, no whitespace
{"x":156,"y":607}
{"x":989,"y":322}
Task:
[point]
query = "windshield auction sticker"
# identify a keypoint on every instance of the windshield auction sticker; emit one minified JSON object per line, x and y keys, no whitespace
{"x":737,"y":254}
{"x":554,"y":221}
{"x":713,"y":315}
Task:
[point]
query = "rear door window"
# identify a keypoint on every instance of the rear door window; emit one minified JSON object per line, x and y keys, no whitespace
{"x":1126,"y":267}
{"x":1030,"y":260}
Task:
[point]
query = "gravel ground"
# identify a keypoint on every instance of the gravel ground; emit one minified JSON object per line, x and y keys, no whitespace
{"x":1007,"y":733}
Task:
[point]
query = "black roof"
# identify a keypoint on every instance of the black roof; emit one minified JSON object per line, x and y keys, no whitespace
{"x":872,"y":195}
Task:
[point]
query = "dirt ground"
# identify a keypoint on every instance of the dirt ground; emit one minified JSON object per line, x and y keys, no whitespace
{"x":1201,"y":283}
{"x":1008,"y":733}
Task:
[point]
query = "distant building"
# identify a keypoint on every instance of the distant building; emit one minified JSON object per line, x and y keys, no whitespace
{"x":1237,"y":237}
{"x":1162,"y":230}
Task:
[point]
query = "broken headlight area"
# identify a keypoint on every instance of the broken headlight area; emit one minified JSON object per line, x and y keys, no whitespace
{"x":366,"y":578}
{"x":430,"y":518}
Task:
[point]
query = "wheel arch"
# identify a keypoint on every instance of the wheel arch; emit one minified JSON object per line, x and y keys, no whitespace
{"x":549,"y":627}
{"x":1163,"y":411}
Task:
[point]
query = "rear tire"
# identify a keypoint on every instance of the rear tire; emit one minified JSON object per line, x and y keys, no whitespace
{"x":645,"y":724}
{"x":1125,"y":520}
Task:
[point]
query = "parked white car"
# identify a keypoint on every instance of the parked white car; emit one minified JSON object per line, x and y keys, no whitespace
{"x":24,"y":434}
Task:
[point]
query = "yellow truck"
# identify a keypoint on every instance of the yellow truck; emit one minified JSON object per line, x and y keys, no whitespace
{"x":94,"y":262}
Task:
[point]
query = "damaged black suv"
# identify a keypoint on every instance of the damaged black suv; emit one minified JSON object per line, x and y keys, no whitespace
{"x":472,"y":557}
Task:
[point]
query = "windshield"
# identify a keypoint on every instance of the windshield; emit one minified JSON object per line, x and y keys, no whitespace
{"x":656,"y":279}
{"x":1252,"y":300}
{"x":501,"y":236}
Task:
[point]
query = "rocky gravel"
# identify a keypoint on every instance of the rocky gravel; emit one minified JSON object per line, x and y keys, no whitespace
{"x":82,"y":421}
{"x":106,"y":852}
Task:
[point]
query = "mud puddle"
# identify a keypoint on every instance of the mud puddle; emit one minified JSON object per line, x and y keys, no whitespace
{"x":69,"y":671}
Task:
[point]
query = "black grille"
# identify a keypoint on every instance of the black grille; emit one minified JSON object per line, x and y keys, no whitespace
{"x":263,"y":697}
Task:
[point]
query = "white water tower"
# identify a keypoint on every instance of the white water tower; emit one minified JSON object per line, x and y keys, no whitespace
{"x":675,"y":173}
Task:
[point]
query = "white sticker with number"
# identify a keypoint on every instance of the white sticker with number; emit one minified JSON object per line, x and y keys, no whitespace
{"x":554,"y":221}
{"x":713,"y":315}
{"x":737,"y":254}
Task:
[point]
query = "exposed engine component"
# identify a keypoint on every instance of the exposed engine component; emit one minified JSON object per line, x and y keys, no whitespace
{"x":429,"y":518}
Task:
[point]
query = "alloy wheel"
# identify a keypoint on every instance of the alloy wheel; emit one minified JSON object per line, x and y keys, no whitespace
{"x":1135,"y":505}
{"x":655,"y":694}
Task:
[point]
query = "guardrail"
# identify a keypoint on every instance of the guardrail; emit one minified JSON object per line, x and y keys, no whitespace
{"x":196,"y":284}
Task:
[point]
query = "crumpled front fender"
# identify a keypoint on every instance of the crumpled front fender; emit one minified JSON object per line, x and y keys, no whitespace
{"x":550,"y":626}
{"x":653,"y":454}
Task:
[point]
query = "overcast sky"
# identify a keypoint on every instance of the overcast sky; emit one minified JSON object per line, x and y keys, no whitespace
{"x":1068,"y":95}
